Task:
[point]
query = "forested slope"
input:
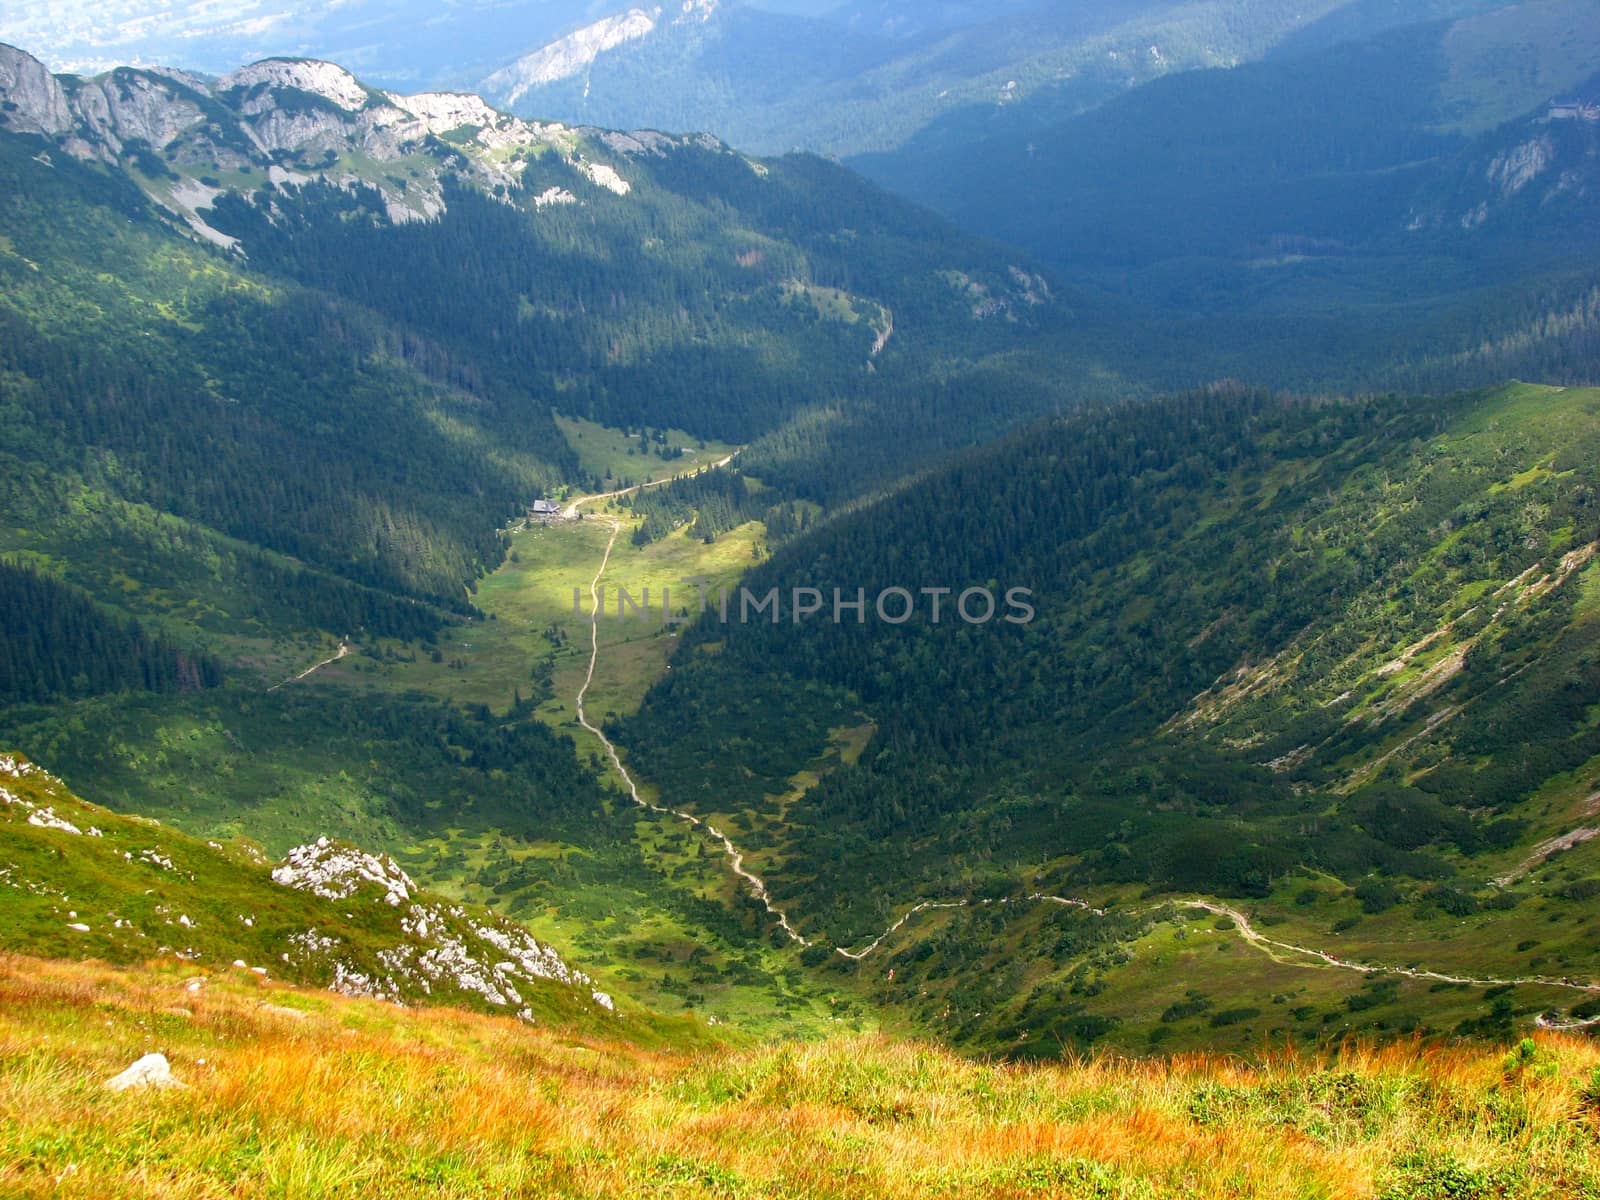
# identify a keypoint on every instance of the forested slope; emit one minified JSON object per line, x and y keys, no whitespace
{"x":1276,"y":640}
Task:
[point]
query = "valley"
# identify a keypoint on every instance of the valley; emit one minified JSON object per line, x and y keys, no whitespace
{"x":365,"y":450}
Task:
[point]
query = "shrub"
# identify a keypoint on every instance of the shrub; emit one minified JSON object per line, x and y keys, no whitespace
{"x":1233,"y":1016}
{"x":1443,"y":1177}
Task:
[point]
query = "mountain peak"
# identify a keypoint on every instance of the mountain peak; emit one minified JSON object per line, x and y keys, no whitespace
{"x":328,"y":80}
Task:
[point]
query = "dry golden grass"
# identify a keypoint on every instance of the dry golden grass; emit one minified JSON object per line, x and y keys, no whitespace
{"x":357,"y":1098}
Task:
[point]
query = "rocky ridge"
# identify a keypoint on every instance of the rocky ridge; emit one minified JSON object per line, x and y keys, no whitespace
{"x":280,"y":124}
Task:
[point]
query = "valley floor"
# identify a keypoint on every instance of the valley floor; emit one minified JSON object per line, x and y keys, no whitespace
{"x":289,"y":1093}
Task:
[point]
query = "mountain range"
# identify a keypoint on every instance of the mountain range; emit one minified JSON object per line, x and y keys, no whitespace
{"x":1011,"y":608}
{"x":1299,"y":744}
{"x":1371,"y":171}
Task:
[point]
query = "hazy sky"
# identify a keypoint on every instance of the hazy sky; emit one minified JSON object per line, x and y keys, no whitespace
{"x":408,"y":40}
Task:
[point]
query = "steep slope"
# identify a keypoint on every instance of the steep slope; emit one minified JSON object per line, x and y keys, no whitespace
{"x":1278,"y":646}
{"x":79,"y":881}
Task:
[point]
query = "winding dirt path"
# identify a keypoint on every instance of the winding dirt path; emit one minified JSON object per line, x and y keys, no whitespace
{"x":572,"y":514}
{"x":735,"y":855}
{"x":344,"y":649}
{"x":1260,"y":940}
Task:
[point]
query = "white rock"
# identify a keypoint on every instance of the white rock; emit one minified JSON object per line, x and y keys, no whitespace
{"x":45,"y":818}
{"x":41,"y":107}
{"x":324,"y":79}
{"x":605,"y":176}
{"x":335,"y":873}
{"x":152,"y":1070}
{"x":554,"y":195}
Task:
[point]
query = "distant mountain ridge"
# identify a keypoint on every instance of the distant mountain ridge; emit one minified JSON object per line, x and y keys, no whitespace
{"x":275,"y":117}
{"x":866,"y":76}
{"x":766,"y":76}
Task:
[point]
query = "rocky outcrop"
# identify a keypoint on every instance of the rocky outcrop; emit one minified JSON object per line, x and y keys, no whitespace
{"x":446,"y":951}
{"x":35,"y":100}
{"x":151,"y":1071}
{"x":135,"y":106}
{"x":569,"y":56}
{"x":326,"y":80}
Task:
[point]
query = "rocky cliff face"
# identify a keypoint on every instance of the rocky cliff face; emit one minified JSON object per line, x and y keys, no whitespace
{"x":575,"y":53}
{"x":1544,"y":167}
{"x":283,"y":123}
{"x":34,"y":102}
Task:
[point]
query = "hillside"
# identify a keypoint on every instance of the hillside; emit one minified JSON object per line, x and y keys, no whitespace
{"x":877,"y":77}
{"x":80,"y":881}
{"x":1362,"y":200}
{"x":350,"y":1096}
{"x":560,"y":660}
{"x":1330,"y":659}
{"x":1300,"y":720}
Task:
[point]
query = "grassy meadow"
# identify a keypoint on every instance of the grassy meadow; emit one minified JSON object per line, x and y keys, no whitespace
{"x":619,"y":458}
{"x":313,"y":1095}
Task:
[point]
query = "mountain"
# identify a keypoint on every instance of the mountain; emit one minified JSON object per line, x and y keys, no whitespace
{"x":420,"y":47}
{"x":1332,"y":659}
{"x":1346,"y":118}
{"x":635,"y":279}
{"x":1388,"y":189}
{"x":867,"y":77}
{"x":81,"y":881}
{"x":287,"y":357}
{"x":766,"y":76}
